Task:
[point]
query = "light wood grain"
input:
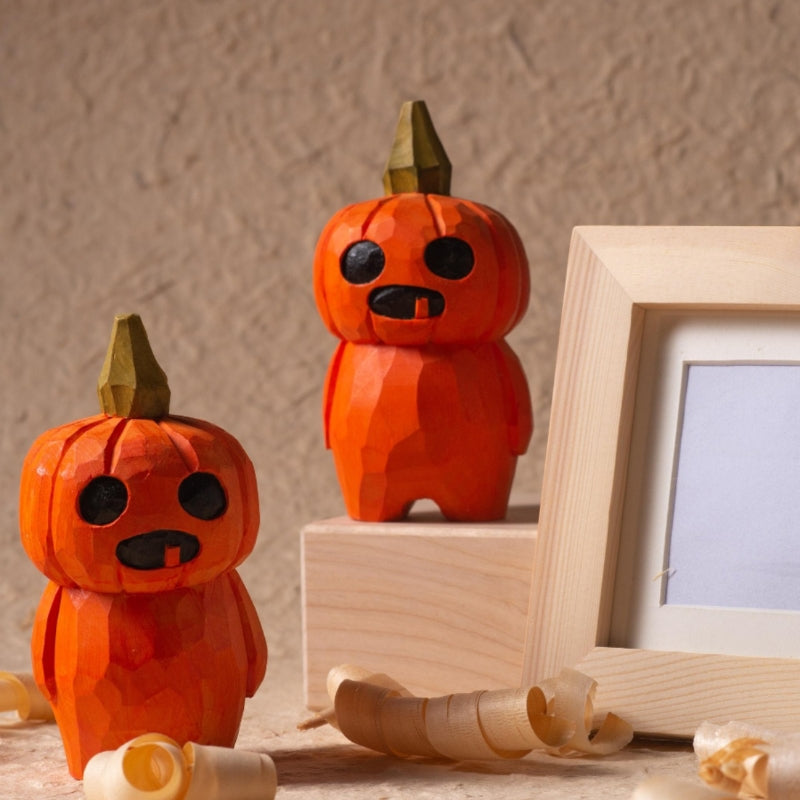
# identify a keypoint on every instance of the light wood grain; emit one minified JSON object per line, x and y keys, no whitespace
{"x":441,"y":607}
{"x":614,"y":275}
{"x":667,"y":693}
{"x":589,"y":427}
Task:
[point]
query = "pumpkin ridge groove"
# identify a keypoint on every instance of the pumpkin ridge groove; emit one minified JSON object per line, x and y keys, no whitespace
{"x":320,"y":287}
{"x":110,"y":455}
{"x":182,"y":445}
{"x":502,"y":265}
{"x":232,"y":444}
{"x":379,"y":204}
{"x":438,"y":222}
{"x":68,"y":442}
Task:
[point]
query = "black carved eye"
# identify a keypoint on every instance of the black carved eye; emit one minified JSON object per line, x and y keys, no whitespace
{"x":102,"y":500}
{"x":449,"y":257}
{"x":362,"y":262}
{"x":202,"y":496}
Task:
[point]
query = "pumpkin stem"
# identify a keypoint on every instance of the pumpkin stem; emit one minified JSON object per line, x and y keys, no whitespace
{"x":417,"y":162}
{"x":131,"y":383}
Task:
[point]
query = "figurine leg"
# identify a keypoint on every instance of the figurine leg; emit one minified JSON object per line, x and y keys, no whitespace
{"x":387,"y":507}
{"x":373,"y":498}
{"x":480,"y":496}
{"x":75,"y":753}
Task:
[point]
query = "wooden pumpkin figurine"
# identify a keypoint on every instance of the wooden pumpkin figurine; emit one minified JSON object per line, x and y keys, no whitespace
{"x":423,"y":397}
{"x":138,"y":518}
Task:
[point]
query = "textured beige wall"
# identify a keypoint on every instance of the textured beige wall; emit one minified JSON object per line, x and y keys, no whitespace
{"x":179,"y":158}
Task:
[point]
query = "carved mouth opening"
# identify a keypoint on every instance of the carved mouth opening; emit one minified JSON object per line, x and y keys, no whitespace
{"x":406,"y":302}
{"x":158,"y":549}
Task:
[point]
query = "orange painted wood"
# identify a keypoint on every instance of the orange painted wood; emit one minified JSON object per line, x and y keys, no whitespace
{"x":145,"y":624}
{"x":424,"y":399}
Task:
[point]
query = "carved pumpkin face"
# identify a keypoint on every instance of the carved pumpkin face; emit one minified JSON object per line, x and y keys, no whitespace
{"x":113,"y":504}
{"x":415,"y":268}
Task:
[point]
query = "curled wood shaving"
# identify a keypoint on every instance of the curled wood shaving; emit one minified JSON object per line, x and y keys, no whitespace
{"x":736,"y":761}
{"x":155,"y":767}
{"x":19,"y":693}
{"x":375,"y":711}
{"x":739,"y":768}
{"x":748,"y":761}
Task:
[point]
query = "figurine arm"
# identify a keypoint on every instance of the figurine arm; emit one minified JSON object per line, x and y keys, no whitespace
{"x":330,"y":388}
{"x":519,"y":413}
{"x":254,"y":641}
{"x":43,"y":640}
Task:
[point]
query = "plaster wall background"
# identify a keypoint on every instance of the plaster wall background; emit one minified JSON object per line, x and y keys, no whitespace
{"x":179,"y":158}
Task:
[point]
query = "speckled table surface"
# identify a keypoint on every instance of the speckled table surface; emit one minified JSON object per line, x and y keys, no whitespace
{"x":322,"y":764}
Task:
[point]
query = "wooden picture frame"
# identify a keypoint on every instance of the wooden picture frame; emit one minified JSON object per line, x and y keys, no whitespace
{"x":616,"y":277}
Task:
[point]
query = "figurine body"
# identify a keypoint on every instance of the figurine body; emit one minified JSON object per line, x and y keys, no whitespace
{"x":139,"y":518}
{"x":435,"y":421}
{"x":423,"y":398}
{"x":118,"y":665}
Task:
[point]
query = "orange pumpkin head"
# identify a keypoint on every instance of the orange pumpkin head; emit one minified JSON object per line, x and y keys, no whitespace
{"x":135,"y":500}
{"x":419,"y":266}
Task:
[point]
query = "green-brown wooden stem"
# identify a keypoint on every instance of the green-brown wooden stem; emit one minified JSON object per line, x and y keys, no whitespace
{"x":131,"y":383}
{"x":418,"y":162}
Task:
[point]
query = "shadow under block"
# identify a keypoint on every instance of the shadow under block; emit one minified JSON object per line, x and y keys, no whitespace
{"x":441,"y":607}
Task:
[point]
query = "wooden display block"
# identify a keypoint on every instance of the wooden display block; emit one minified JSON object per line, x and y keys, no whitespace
{"x":442,"y":607}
